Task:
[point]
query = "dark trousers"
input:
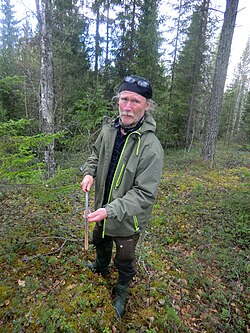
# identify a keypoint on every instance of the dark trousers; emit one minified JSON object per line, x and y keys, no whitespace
{"x":124,"y":260}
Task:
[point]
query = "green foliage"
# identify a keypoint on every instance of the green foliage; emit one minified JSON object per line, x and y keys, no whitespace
{"x":88,"y":65}
{"x":70,"y":54}
{"x":238,"y":204}
{"x":19,"y":154}
{"x":88,"y":113}
{"x":169,"y":128}
{"x":187,"y":91}
{"x":9,"y":39}
{"x":11,"y":97}
{"x":12,"y":127}
{"x":246,"y":119}
{"x":148,"y":63}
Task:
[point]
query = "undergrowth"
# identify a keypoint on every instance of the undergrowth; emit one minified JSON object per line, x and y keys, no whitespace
{"x":193,"y":258}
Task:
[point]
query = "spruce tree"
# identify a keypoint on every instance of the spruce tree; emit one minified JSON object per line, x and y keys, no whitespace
{"x":8,"y":40}
{"x":11,"y":83}
{"x":187,"y":87}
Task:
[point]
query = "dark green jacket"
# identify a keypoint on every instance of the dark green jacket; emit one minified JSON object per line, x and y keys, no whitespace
{"x":136,"y":179}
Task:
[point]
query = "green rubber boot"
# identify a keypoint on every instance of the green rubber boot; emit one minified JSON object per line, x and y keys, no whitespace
{"x":121,"y":291}
{"x":95,"y":268}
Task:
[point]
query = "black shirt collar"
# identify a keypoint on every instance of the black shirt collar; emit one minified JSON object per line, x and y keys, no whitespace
{"x":119,"y":125}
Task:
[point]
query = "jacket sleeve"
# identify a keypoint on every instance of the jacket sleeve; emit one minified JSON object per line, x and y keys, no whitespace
{"x":142,"y":194}
{"x":90,"y":167}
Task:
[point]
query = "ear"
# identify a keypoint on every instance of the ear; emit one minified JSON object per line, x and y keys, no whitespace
{"x":147,"y":108}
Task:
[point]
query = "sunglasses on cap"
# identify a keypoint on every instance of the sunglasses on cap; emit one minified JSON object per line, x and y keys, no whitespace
{"x":141,"y":82}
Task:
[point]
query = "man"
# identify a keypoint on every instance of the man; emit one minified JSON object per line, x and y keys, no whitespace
{"x":126,"y":164}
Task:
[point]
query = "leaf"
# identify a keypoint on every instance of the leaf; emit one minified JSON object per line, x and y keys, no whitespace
{"x":7,"y":302}
{"x":21,"y":283}
{"x":161,"y":301}
{"x":71,"y":286}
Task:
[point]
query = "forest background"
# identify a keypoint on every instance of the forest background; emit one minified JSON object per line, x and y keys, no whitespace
{"x":59,"y":69}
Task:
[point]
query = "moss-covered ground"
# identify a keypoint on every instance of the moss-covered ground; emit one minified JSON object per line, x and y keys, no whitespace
{"x":193,"y":260}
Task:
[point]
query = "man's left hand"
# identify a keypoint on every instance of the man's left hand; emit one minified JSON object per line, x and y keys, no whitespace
{"x":98,"y":215}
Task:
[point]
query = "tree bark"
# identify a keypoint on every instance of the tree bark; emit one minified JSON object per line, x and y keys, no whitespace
{"x":97,"y":5}
{"x":176,"y":41}
{"x":242,"y":90}
{"x":107,"y":69}
{"x":221,"y":65}
{"x":44,"y":11}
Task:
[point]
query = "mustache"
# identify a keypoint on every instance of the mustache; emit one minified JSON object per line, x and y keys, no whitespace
{"x":125,"y":114}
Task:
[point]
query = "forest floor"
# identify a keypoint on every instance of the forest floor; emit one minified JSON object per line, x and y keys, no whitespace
{"x":193,"y":260}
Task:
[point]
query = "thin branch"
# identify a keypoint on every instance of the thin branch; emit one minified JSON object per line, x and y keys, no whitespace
{"x":54,"y":237}
{"x":26,"y":258}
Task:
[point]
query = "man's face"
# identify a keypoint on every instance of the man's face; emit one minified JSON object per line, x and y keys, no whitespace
{"x":132,"y":107}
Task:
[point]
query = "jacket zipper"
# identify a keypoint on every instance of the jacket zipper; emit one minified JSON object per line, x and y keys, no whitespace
{"x":119,"y":179}
{"x":136,"y":224}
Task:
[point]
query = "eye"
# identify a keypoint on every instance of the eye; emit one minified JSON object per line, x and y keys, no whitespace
{"x":135,"y":101}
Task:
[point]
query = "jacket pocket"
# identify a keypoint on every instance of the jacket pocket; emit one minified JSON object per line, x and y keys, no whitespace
{"x":125,"y":247}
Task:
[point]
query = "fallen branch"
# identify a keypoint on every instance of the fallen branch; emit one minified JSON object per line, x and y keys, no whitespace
{"x":54,"y":237}
{"x":26,"y":258}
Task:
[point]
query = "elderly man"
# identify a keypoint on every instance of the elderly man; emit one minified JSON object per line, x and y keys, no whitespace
{"x":126,"y":164}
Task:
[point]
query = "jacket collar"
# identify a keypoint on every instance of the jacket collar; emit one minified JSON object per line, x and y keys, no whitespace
{"x":118,"y":124}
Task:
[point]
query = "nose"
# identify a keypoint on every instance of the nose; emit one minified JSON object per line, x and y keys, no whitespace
{"x":128,"y":105}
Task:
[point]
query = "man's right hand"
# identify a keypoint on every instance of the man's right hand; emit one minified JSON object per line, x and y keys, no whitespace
{"x":87,"y":183}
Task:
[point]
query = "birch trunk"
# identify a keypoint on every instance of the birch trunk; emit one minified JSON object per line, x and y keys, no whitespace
{"x":44,"y":11}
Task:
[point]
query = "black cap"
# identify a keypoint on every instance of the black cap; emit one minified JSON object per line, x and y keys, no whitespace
{"x":138,"y":85}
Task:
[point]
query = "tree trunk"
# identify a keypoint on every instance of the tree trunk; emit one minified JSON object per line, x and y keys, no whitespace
{"x":244,"y":82}
{"x":107,"y":69}
{"x":221,"y":65}
{"x":176,"y":41}
{"x":46,"y":80}
{"x":97,"y":39}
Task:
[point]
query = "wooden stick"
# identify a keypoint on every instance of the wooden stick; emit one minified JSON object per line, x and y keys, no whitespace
{"x":86,"y":243}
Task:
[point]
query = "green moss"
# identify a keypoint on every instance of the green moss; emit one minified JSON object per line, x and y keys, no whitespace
{"x":192,"y":273}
